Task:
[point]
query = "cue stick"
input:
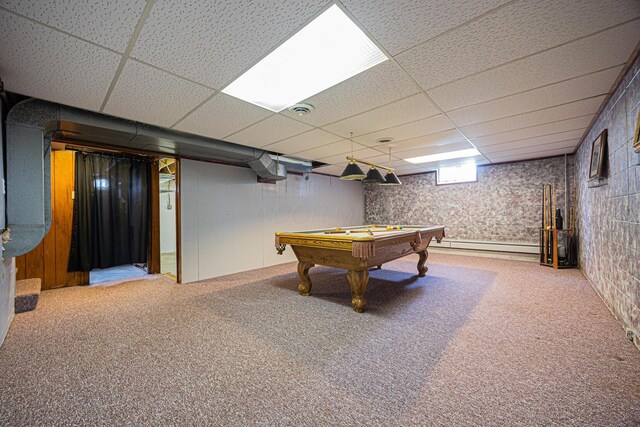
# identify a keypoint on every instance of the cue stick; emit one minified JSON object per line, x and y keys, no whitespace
{"x":553,"y":242}
{"x":546,"y":214}
{"x":358,"y":231}
{"x":542,"y":227}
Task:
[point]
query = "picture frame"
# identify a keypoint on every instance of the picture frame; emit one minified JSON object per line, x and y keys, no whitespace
{"x":598,"y":152}
{"x":636,"y":135}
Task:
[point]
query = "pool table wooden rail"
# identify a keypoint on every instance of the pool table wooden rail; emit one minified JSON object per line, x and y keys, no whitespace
{"x":357,"y":254}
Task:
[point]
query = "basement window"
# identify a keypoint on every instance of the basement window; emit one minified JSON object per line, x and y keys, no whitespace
{"x":457,"y":174}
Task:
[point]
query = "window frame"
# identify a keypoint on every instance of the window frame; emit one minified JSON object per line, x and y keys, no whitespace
{"x":475,"y":179}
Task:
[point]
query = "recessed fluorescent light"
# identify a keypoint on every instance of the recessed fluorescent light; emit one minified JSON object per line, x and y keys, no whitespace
{"x":444,"y":156}
{"x":329,"y":50}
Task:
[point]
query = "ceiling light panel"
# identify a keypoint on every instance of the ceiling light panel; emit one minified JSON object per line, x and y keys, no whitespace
{"x":470,"y":152}
{"x":329,"y":50}
{"x":423,"y":151}
{"x":478,"y":160}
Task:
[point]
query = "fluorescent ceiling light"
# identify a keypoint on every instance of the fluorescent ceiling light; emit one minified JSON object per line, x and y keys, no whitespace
{"x":444,"y":156}
{"x":329,"y":50}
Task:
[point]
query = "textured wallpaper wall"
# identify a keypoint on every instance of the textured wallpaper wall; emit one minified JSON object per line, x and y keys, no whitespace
{"x":503,"y":205}
{"x":609,"y":216}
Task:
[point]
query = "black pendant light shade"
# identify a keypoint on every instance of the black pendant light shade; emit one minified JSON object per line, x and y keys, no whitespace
{"x":391,"y":179}
{"x":352,"y":172}
{"x":374,"y":175}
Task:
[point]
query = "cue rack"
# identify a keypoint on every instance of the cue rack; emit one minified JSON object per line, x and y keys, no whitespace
{"x":557,"y":246}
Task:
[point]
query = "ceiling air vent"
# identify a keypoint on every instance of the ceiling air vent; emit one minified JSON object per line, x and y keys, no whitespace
{"x":384,"y":140}
{"x":301,"y":109}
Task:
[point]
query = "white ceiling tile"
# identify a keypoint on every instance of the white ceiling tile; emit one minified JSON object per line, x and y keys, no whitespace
{"x":302,"y":142}
{"x":372,"y":88}
{"x":148,"y":95}
{"x":40,"y":62}
{"x":538,"y":140}
{"x":214,"y":42}
{"x":534,"y":131}
{"x":566,"y":111}
{"x":406,"y":110}
{"x":529,"y":148}
{"x":359,"y":153}
{"x":401,"y":24}
{"x":107,"y":23}
{"x":336,"y":152}
{"x":335,"y":159}
{"x":587,"y":55}
{"x":221,"y":116}
{"x":270,"y":130}
{"x":549,"y":96}
{"x":511,"y":32}
{"x":425,"y":151}
{"x":411,"y":130}
{"x":535,"y":155}
{"x":437,"y":139}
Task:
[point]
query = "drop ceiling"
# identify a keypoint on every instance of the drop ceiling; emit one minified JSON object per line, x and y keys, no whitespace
{"x":515,"y":79}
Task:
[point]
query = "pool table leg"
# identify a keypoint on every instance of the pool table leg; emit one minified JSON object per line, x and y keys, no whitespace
{"x":303,"y":270}
{"x":358,"y":281}
{"x":422,"y":269}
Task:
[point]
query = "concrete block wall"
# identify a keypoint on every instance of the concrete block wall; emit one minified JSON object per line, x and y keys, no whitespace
{"x":609,"y":215}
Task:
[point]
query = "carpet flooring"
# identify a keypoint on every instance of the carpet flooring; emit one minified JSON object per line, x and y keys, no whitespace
{"x":477,"y":341}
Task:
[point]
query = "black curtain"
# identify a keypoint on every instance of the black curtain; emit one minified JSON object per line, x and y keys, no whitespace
{"x":110,"y":212}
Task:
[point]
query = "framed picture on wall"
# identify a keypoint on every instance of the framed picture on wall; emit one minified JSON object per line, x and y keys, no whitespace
{"x":636,"y":136}
{"x":598,"y":152}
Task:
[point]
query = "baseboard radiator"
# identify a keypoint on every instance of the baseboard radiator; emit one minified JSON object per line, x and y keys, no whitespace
{"x":489,"y":246}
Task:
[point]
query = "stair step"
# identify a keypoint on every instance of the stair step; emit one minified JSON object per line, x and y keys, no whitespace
{"x":27,"y":295}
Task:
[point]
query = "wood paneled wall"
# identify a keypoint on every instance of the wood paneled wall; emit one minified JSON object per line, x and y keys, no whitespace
{"x":49,"y":260}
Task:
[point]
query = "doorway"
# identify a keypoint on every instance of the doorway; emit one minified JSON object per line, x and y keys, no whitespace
{"x":50,"y":261}
{"x":167,"y":178}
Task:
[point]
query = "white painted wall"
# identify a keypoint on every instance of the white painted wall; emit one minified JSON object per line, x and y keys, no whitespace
{"x":7,"y":295}
{"x":167,"y":223}
{"x":229,"y":219}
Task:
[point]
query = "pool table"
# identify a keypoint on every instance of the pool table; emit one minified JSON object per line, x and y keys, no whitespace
{"x":357,"y":249}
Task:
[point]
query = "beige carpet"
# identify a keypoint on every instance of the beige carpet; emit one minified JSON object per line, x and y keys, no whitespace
{"x":476,"y":342}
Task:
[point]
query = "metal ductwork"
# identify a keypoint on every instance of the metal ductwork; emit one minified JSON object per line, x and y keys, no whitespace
{"x":32,"y":124}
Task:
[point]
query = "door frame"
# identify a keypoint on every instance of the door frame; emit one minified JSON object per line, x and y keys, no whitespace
{"x":153,"y":252}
